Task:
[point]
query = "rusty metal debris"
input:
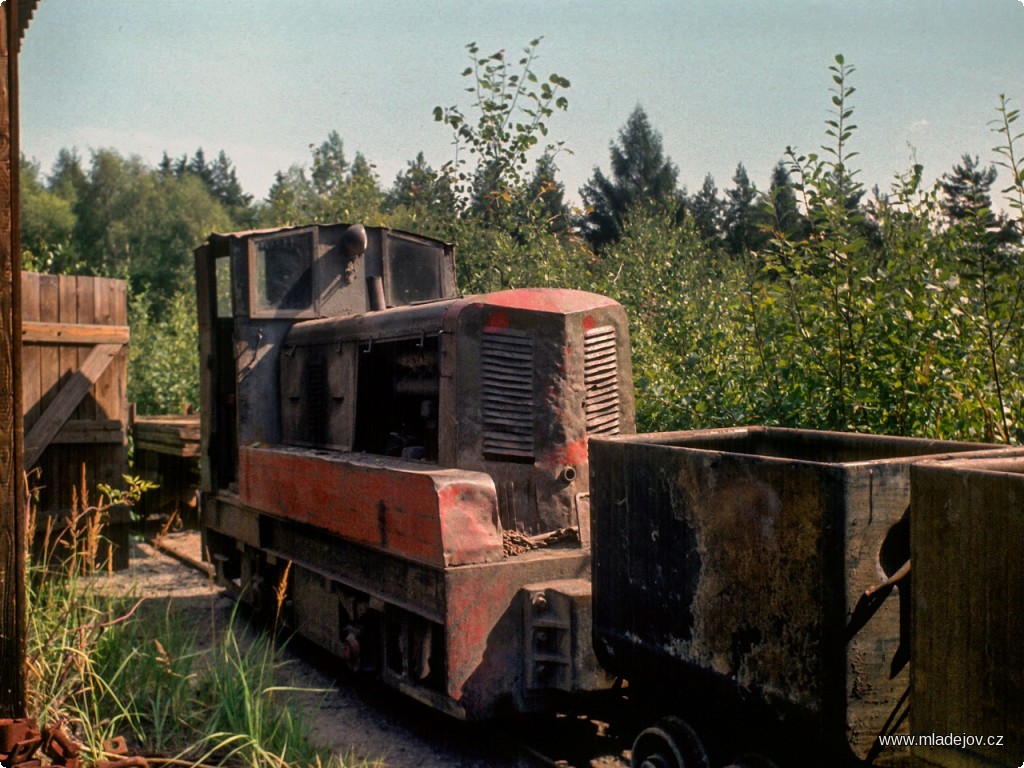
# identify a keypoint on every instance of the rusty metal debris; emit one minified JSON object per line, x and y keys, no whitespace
{"x":21,"y":739}
{"x":515,"y":543}
{"x":60,"y":747}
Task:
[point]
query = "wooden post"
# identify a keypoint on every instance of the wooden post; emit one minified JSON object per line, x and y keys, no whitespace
{"x":12,"y":497}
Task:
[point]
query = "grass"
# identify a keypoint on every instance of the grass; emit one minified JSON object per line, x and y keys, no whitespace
{"x":106,"y":666}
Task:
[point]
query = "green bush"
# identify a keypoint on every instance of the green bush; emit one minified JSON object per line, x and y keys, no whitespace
{"x":163,"y":357}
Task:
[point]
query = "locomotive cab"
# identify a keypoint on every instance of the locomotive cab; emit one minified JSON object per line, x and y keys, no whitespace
{"x":412,"y":465}
{"x":253,"y":287}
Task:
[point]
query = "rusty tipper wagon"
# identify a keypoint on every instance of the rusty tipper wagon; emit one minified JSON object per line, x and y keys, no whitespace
{"x":409,"y":465}
{"x":753,"y":580}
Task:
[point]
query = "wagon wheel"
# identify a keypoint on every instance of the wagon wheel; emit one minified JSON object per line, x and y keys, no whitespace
{"x":669,"y":743}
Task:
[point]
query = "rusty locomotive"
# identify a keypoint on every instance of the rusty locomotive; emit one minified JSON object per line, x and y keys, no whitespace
{"x":416,"y":481}
{"x":407,"y":451}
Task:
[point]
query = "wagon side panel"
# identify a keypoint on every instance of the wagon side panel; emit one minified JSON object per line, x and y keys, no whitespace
{"x":684,"y":543}
{"x":968,"y":672}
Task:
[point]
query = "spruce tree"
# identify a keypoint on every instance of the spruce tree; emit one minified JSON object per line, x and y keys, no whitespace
{"x":706,"y":208}
{"x":744,"y":216}
{"x":640,"y":174}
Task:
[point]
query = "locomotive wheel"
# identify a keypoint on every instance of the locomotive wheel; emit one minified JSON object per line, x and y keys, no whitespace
{"x":669,"y":743}
{"x":351,"y":653}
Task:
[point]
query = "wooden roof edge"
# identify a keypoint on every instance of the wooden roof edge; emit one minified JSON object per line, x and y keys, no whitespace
{"x":26,"y":8}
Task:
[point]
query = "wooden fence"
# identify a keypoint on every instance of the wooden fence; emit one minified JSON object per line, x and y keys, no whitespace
{"x":74,"y":370}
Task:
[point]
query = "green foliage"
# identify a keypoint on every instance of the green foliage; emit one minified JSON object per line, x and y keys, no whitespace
{"x":894,"y":323}
{"x":511,"y":225}
{"x":641,"y":175}
{"x":781,"y":210}
{"x":47,"y":222}
{"x":745,"y":223}
{"x":120,"y":219}
{"x":707,"y":211}
{"x":127,"y":496}
{"x":967,"y":189}
{"x":163,"y":358}
{"x":220,"y":180}
{"x":512,"y":106}
{"x":685,"y":355}
{"x":807,"y":306}
{"x":334,"y":190}
{"x":880,"y":317}
{"x":420,"y":193}
{"x":1009,"y":155}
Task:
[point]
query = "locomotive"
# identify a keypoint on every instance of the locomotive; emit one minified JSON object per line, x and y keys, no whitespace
{"x":448,"y":493}
{"x":407,"y":465}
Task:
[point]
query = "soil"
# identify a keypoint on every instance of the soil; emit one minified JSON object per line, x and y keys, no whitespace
{"x":358,"y":719}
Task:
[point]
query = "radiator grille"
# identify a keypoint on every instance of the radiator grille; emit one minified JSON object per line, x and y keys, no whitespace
{"x":316,"y":400}
{"x":601,"y":380}
{"x":507,"y":393}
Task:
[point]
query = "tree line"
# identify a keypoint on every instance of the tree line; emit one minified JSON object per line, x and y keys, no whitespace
{"x":814,"y":302}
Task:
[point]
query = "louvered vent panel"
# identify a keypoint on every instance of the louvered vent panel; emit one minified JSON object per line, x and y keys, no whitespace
{"x":507,"y":393}
{"x":316,"y":399}
{"x":601,"y":379}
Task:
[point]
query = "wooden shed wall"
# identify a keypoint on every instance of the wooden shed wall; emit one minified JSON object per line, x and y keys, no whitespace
{"x":74,"y":372}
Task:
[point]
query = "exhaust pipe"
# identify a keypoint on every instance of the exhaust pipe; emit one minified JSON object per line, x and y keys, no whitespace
{"x":375,"y":292}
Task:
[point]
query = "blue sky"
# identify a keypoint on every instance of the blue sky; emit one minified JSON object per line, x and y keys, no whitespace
{"x":723,"y":81}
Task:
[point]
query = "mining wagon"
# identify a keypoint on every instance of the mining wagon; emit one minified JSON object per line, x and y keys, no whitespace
{"x":753,"y":585}
{"x":399,"y":472}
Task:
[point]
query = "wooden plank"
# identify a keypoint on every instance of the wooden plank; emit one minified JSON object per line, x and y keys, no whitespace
{"x":13,"y":630}
{"x":67,"y":312}
{"x":32,"y":385}
{"x":118,"y":301}
{"x":182,"y":428}
{"x":67,"y":401}
{"x":76,"y":432}
{"x":85,"y":312}
{"x":163,"y":437}
{"x":49,"y":357}
{"x":177,"y":420}
{"x":100,"y":309}
{"x":109,"y":390}
{"x":184,"y":450}
{"x":111,"y":394}
{"x":38,"y":332}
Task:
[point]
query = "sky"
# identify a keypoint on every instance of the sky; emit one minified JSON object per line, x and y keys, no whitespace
{"x":722,"y":81}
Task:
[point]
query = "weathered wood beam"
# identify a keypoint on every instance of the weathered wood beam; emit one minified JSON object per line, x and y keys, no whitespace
{"x":12,"y":498}
{"x":82,"y":432}
{"x":36,"y":332}
{"x":182,"y":450}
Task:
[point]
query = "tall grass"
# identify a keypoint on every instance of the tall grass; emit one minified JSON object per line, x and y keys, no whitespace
{"x":106,"y":666}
